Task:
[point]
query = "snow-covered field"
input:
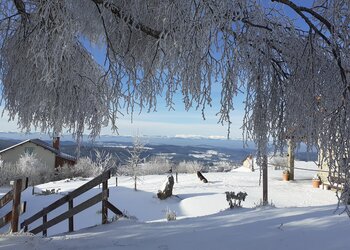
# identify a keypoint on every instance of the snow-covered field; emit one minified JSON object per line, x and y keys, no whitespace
{"x":302,"y":217}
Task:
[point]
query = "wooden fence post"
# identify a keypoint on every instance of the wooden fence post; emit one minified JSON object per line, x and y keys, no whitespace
{"x":116,"y":181}
{"x":70,"y":219}
{"x":104,"y":202}
{"x":17,"y":189}
{"x":44,"y":221}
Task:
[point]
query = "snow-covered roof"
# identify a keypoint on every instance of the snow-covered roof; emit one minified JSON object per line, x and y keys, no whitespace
{"x":44,"y":145}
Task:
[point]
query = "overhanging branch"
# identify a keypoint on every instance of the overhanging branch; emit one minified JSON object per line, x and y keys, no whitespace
{"x":129,"y":20}
{"x":20,"y":6}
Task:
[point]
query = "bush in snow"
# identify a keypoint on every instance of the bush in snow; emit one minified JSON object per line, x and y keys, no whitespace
{"x":262,"y":204}
{"x":64,"y":172}
{"x":156,"y":165}
{"x":28,"y":165}
{"x":86,"y":167}
{"x":31,"y":166}
{"x":234,"y":200}
{"x":278,"y":162}
{"x":9,"y":172}
{"x":224,"y":166}
{"x":170,"y":215}
{"x":188,"y":167}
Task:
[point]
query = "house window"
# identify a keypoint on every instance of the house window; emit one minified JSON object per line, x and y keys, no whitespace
{"x":29,"y":150}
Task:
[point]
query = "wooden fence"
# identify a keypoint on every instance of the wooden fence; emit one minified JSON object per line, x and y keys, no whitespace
{"x":103,"y":196}
{"x":18,"y":208}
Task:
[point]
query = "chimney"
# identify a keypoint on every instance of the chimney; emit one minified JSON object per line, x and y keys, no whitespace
{"x":56,"y":143}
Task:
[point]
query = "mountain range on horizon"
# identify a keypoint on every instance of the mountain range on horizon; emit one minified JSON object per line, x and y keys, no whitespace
{"x":180,"y":140}
{"x":205,"y":150}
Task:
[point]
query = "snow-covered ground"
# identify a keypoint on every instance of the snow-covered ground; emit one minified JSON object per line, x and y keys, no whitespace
{"x":302,"y":217}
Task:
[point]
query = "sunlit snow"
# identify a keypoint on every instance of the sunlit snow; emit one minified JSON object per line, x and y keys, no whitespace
{"x":301,"y":217}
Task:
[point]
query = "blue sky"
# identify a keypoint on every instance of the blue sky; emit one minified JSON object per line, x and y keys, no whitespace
{"x":178,"y":121}
{"x":166,"y":123}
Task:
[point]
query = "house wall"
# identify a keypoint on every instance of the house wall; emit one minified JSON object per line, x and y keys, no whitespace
{"x":45,"y":156}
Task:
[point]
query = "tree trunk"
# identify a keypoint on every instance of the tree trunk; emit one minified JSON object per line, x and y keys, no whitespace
{"x":168,"y":189}
{"x":201,"y":177}
{"x":265,"y":181}
{"x":291,"y":147}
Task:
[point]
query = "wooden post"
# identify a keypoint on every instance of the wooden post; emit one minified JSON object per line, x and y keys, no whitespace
{"x":17,"y":189}
{"x":116,"y":181}
{"x":291,"y":147}
{"x":70,"y":219}
{"x":176,"y":177}
{"x":265,"y":181}
{"x":44,"y":221}
{"x":104,"y":205}
{"x":135,"y":180}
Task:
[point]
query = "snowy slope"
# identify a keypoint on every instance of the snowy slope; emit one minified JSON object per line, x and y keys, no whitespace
{"x":304,"y":217}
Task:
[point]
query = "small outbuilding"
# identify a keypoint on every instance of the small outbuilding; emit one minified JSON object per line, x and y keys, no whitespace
{"x":49,"y":155}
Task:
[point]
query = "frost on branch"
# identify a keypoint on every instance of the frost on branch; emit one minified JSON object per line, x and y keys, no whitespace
{"x":49,"y":79}
{"x":294,"y":71}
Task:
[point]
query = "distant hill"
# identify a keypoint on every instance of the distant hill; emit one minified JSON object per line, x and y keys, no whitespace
{"x":207,"y":151}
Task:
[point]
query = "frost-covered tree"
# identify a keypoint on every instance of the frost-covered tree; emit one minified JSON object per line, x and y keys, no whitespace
{"x":32,"y":167}
{"x":291,"y":61}
{"x":104,"y":161}
{"x":9,"y":172}
{"x":135,"y":158}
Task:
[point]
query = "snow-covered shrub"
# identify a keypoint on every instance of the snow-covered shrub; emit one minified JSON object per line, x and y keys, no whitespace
{"x":156,"y":165}
{"x":188,"y":167}
{"x":224,"y":166}
{"x":261,"y":204}
{"x":8,"y":172}
{"x":104,"y":161}
{"x":49,"y":191}
{"x":64,"y":172}
{"x":85,"y":167}
{"x":278,"y":162}
{"x":32,"y":167}
{"x":234,"y":200}
{"x":170,"y":215}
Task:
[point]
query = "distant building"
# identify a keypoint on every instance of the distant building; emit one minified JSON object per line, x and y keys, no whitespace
{"x":249,"y":163}
{"x":332,"y":178}
{"x":51,"y":156}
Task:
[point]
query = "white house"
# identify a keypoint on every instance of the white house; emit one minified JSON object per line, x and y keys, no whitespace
{"x":51,"y":156}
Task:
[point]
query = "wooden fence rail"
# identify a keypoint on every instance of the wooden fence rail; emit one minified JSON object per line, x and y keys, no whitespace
{"x":18,"y":208}
{"x":103,"y":196}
